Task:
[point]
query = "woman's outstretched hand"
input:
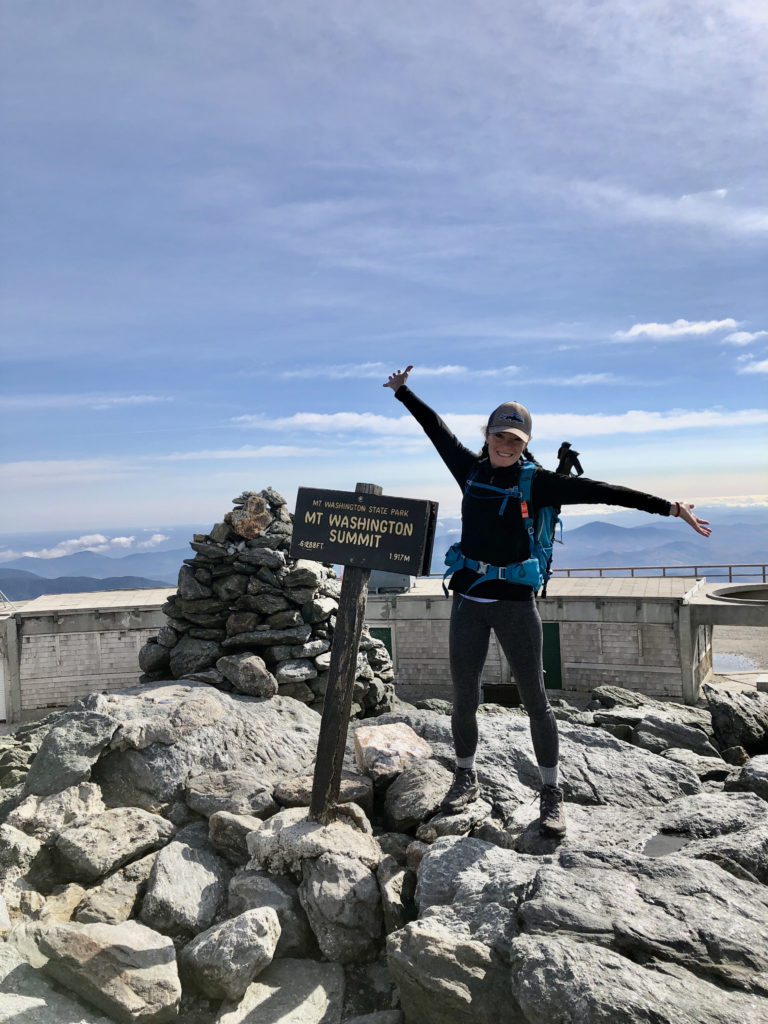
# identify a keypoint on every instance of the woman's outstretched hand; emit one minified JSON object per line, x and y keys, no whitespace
{"x":398,"y":378}
{"x":684,"y":510}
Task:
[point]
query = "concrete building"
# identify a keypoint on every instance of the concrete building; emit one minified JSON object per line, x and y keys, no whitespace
{"x":652,"y":634}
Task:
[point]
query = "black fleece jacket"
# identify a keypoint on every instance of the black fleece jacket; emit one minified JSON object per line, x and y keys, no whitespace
{"x":501,"y":539}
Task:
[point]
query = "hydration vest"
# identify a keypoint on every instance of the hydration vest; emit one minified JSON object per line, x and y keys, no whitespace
{"x":535,"y":571}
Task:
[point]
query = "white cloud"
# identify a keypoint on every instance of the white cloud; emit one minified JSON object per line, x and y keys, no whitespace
{"x":95,"y":402}
{"x":97,"y":542}
{"x":266,"y":451}
{"x":334,"y":423}
{"x":757,"y":367}
{"x":701,"y":209}
{"x":154,"y":540}
{"x":382,"y":370}
{"x":677,"y":329}
{"x":743,"y":337}
{"x":545,"y":425}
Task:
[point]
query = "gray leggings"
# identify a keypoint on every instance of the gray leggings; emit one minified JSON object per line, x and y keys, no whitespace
{"x":518,"y":626}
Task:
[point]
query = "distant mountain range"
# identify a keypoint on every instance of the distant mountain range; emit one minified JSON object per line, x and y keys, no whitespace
{"x":159,"y":566}
{"x":18,"y":585}
{"x":737,"y":541}
{"x":666,"y":542}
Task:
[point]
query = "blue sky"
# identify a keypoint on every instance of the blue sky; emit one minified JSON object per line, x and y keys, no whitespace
{"x":225,"y":223}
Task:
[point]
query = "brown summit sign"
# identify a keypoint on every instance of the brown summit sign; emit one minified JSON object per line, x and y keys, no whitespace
{"x":371,"y":531}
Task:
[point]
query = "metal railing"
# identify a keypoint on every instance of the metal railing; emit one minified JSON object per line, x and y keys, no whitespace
{"x":733,"y":573}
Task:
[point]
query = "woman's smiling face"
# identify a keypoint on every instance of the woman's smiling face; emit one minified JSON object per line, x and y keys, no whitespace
{"x":504,"y":449}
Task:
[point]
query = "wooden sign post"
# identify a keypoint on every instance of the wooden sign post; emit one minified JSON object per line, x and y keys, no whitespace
{"x":363,"y":530}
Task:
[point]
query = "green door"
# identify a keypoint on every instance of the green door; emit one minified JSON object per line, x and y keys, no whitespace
{"x":552,"y":667}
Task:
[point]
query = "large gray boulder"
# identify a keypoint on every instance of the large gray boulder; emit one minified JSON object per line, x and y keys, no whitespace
{"x":739,"y":719}
{"x":169,"y":731}
{"x":416,"y":794}
{"x":224,"y":960}
{"x":658,"y":733}
{"x":115,"y":900}
{"x":753,"y":776}
{"x":250,"y":890}
{"x":27,"y":997}
{"x":292,"y":992}
{"x":248,"y":674}
{"x":186,"y":887}
{"x":557,"y":978}
{"x":236,"y":791}
{"x":127,"y":970}
{"x":93,"y":847}
{"x":343,"y":904}
{"x":596,"y":767}
{"x":45,"y":816}
{"x":677,"y":914}
{"x":71,"y":747}
{"x":289,"y":838}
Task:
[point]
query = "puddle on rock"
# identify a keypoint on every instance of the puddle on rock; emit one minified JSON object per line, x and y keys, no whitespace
{"x":661,"y":844}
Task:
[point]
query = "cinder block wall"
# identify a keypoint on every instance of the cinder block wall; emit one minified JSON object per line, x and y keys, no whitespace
{"x":638,"y":644}
{"x":57,"y":667}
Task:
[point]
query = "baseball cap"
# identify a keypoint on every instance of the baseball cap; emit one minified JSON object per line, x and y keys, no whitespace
{"x":513,"y":418}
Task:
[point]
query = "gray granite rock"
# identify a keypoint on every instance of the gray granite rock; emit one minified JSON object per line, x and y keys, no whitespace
{"x":341,"y":898}
{"x":753,"y":776}
{"x":596,"y":767}
{"x":555,"y":978}
{"x":475,"y":900}
{"x":249,"y":890}
{"x":27,"y":997}
{"x":192,"y":655}
{"x":416,"y":794}
{"x":45,"y":816}
{"x":70,"y":748}
{"x":127,"y":970}
{"x":169,"y":731}
{"x":354,"y":787}
{"x":235,"y":791}
{"x":228,"y":834}
{"x":115,"y":900}
{"x":657,"y":733}
{"x":739,"y":719}
{"x":707,"y":768}
{"x":93,"y":847}
{"x":269,"y":637}
{"x":248,"y":674}
{"x":154,"y":658}
{"x":289,"y":838}
{"x":185,"y":890}
{"x":292,"y":992}
{"x":24,"y":863}
{"x":224,"y":960}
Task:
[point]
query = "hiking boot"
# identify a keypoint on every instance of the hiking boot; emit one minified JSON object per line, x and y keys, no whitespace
{"x":462,"y":792}
{"x":551,"y":813}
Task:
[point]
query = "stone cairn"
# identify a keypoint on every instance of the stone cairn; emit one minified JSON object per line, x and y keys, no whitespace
{"x":250,"y":619}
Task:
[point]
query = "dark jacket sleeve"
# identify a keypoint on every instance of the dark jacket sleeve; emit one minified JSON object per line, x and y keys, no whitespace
{"x":550,"y":489}
{"x":458,"y":458}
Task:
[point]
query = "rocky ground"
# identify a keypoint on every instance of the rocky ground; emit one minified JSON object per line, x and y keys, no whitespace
{"x":157,"y":862}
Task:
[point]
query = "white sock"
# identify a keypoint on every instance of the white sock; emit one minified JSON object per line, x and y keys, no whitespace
{"x":465,"y":762}
{"x":550,"y":776}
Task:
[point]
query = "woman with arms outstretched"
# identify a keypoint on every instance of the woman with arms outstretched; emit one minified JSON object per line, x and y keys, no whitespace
{"x":493,"y":534}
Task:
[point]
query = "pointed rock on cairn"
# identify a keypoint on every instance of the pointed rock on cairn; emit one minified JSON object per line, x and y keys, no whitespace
{"x":248,"y":618}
